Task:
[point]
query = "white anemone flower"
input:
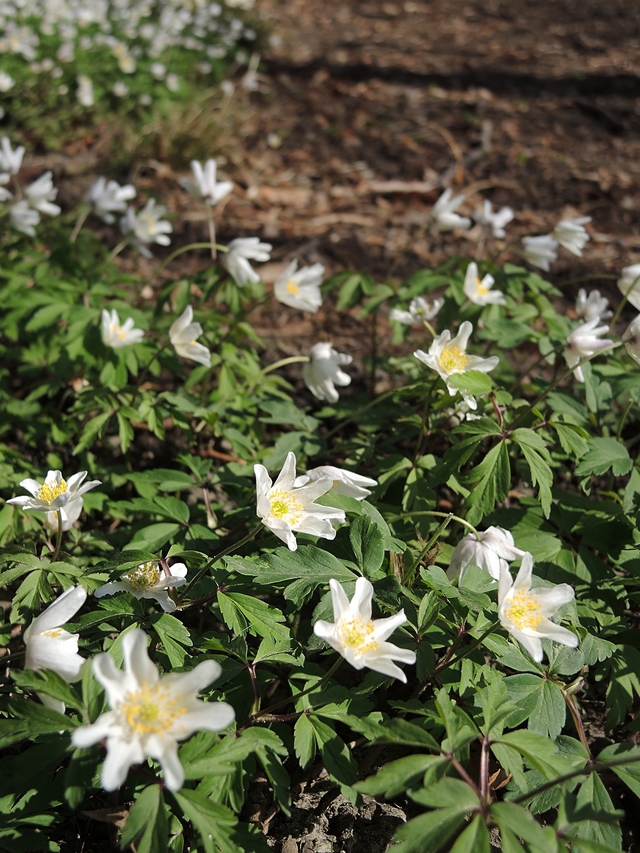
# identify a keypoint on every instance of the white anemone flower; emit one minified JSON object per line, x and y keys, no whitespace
{"x":420,"y":310}
{"x":55,"y":493}
{"x":10,"y":161}
{"x":23,"y":218}
{"x":149,"y":580}
{"x":629,"y":284}
{"x":147,"y":226}
{"x":183,"y":334}
{"x":359,"y":639}
{"x":149,"y":713}
{"x":69,"y":515}
{"x":5,"y":194}
{"x":540,"y":251}
{"x":444,"y":212}
{"x":323,"y":373}
{"x":490,"y":551}
{"x":592,"y":306}
{"x":241,"y":251}
{"x":344,"y":482}
{"x":41,"y":193}
{"x":479,"y":292}
{"x":631,"y":339}
{"x":571,"y":234}
{"x":85,"y":93}
{"x":48,"y":646}
{"x":286,"y":509}
{"x":448,"y":356}
{"x":108,"y":198}
{"x":525,"y":612}
{"x":116,"y":335}
{"x":205,"y":187}
{"x":494,"y":221}
{"x":6,"y":82}
{"x":584,"y":342}
{"x":300,"y":288}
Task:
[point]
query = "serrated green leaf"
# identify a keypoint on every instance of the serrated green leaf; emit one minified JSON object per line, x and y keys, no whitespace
{"x":367,"y":543}
{"x":474,"y":382}
{"x":604,"y":454}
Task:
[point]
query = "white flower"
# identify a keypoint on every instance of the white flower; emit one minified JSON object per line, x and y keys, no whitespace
{"x":480,"y":292}
{"x":23,"y":218}
{"x":109,"y":198}
{"x":173,"y":84}
{"x":584,"y":342}
{"x":629,"y":284}
{"x":11,"y":161}
{"x":443,"y":212}
{"x":158,"y":70}
{"x":571,"y":234}
{"x":48,"y":646}
{"x":6,"y":81}
{"x":300,"y":289}
{"x":147,"y":226}
{"x":85,"y":91}
{"x":285,"y":508}
{"x":206,"y":188}
{"x":55,"y":493}
{"x":183,"y":334}
{"x":525,"y":612}
{"x":5,"y":194}
{"x":420,"y":310}
{"x":496,"y":221}
{"x":360,"y":640}
{"x":540,"y":251}
{"x":69,"y":515}
{"x":241,"y":251}
{"x":592,"y":306}
{"x":149,"y":713}
{"x":120,"y":89}
{"x":41,"y":193}
{"x":116,"y":336}
{"x":344,"y":482}
{"x":127,"y":64}
{"x":490,"y":551}
{"x":323,"y":373}
{"x":632,"y":339}
{"x":448,"y":356}
{"x":149,"y":580}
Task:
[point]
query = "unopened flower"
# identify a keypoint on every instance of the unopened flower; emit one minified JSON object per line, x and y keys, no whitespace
{"x":592,"y":306}
{"x":322,"y":373}
{"x":54,"y":493}
{"x":108,"y":198}
{"x":6,"y":81}
{"x":69,"y":514}
{"x":632,"y":339}
{"x":116,"y":336}
{"x":448,"y":356}
{"x":444,"y":212}
{"x":11,"y":161}
{"x":495,"y":221}
{"x":147,"y":226}
{"x":206,"y":187}
{"x":359,"y":639}
{"x":24,"y":218}
{"x":300,"y":288}
{"x":420,"y":310}
{"x":286,"y":509}
{"x":48,"y":646}
{"x":489,"y":550}
{"x":480,"y":292}
{"x":41,"y":193}
{"x":344,"y":482}
{"x":571,"y":234}
{"x":183,"y":334}
{"x":525,"y":612}
{"x":148,"y":580}
{"x":241,"y":251}
{"x":629,"y":284}
{"x":540,"y":251}
{"x":149,"y":713}
{"x":584,"y":342}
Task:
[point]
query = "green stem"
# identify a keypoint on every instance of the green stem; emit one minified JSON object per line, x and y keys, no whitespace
{"x":623,"y":418}
{"x":336,"y":666}
{"x":212,"y":230}
{"x":592,"y":767}
{"x":58,"y":537}
{"x":366,"y":408}
{"x":294,"y":359}
{"x":429,"y":544}
{"x":625,"y":297}
{"x":437,"y":514}
{"x":113,"y":254}
{"x":84,"y":213}
{"x":181,"y":250}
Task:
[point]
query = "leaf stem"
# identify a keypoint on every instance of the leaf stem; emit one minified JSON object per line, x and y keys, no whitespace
{"x":58,"y":537}
{"x":293,"y":359}
{"x":294,"y":698}
{"x":437,"y":514}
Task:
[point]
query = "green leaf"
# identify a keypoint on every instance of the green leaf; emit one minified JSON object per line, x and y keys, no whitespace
{"x":367,"y":543}
{"x":214,"y":822}
{"x":91,"y":430}
{"x":475,"y":382}
{"x":244,"y":612}
{"x":548,"y":716}
{"x":337,"y":758}
{"x":406,"y":733}
{"x":538,"y":751}
{"x":537,"y":456}
{"x":79,"y":776}
{"x":429,"y":832}
{"x":153,"y":537}
{"x":629,"y":773}
{"x":39,"y":719}
{"x":396,"y":776}
{"x":491,"y":480}
{"x":603,"y":454}
{"x":49,"y":682}
{"x":447,"y":793}
{"x":148,"y":819}
{"x":475,"y":838}
{"x":304,"y":741}
{"x":603,"y":826}
{"x":173,"y":636}
{"x":514,"y":818}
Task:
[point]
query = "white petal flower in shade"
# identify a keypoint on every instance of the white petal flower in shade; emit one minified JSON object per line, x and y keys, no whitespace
{"x":344,"y":482}
{"x":584,"y":342}
{"x":183,"y":334}
{"x":323,"y":373}
{"x":444,"y":212}
{"x":23,"y":218}
{"x":629,"y":284}
{"x":48,"y":646}
{"x":69,"y":513}
{"x":148,"y":580}
{"x":359,"y":639}
{"x":54,"y":493}
{"x":116,"y":336}
{"x":495,"y":221}
{"x":592,"y":306}
{"x":571,"y":234}
{"x":632,"y":339}
{"x":85,"y":93}
{"x":300,"y":288}
{"x":448,"y":356}
{"x":41,"y":193}
{"x":540,"y":251}
{"x":149,"y":713}
{"x":286,"y":509}
{"x":108,"y":198}
{"x":489,"y":550}
{"x":480,"y":292}
{"x":526,"y":612}
{"x":206,"y":187}
{"x":420,"y":310}
{"x":5,"y":194}
{"x":147,"y":226}
{"x":6,"y":81}
{"x":10,"y":161}
{"x":241,"y":251}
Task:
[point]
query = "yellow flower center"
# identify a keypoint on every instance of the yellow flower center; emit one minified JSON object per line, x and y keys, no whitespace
{"x":292,"y":287}
{"x":53,"y":632}
{"x":144,"y":577}
{"x":481,"y":290}
{"x":524,"y":610}
{"x":285,"y":505}
{"x":151,"y":710}
{"x":356,"y":634}
{"x":453,"y":358}
{"x":50,"y":491}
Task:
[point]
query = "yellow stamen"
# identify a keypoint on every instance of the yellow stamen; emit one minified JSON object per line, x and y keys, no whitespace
{"x":481,"y":290}
{"x":50,"y":491}
{"x":524,"y":610}
{"x":53,"y":632}
{"x":356,"y":634}
{"x":285,"y":505}
{"x":292,"y":287}
{"x":144,"y":577}
{"x":151,"y":710}
{"x":453,"y":358}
